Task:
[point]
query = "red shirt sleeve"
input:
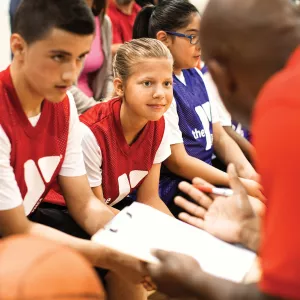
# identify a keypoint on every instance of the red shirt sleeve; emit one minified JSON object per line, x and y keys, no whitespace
{"x":277,"y":142}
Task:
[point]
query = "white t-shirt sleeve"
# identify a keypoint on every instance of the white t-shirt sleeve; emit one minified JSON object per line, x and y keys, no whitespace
{"x":73,"y":164}
{"x":224,"y":116}
{"x":92,"y":156}
{"x":10,"y":195}
{"x":164,"y":150}
{"x":172,"y":124}
{"x":214,"y":112}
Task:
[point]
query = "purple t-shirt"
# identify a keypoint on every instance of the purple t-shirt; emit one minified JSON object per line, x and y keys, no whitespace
{"x":195,"y":123}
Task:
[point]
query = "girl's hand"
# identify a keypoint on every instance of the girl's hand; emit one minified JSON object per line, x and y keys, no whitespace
{"x":253,"y":188}
{"x":248,"y":172}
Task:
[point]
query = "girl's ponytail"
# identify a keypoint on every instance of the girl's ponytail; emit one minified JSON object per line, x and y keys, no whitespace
{"x":142,"y":21}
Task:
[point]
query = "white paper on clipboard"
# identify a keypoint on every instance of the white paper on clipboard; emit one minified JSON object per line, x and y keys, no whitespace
{"x":139,"y":228}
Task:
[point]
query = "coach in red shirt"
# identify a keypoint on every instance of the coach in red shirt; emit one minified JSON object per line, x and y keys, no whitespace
{"x":252,"y":51}
{"x":122,"y":14}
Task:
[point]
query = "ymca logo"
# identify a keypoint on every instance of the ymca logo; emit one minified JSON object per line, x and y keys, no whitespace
{"x":34,"y":175}
{"x":204,"y":113}
{"x":126,"y":184}
{"x":239,"y":129}
{"x":198,"y":134}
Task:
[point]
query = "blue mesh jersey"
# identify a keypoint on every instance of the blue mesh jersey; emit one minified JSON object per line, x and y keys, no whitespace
{"x":195,"y":123}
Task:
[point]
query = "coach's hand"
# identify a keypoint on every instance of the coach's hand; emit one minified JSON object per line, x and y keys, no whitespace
{"x":222,"y":217}
{"x":174,"y":274}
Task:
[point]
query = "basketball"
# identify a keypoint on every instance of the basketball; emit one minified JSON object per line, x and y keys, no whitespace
{"x":34,"y":268}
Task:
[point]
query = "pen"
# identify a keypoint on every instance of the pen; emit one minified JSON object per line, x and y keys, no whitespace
{"x":214,"y":190}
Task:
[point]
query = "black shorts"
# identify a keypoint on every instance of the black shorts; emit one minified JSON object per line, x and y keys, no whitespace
{"x":127,"y":201}
{"x":58,"y":217}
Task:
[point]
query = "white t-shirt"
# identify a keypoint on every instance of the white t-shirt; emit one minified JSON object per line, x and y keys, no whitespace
{"x":172,"y":118}
{"x":93,"y":156}
{"x":225,"y":118}
{"x":73,"y":165}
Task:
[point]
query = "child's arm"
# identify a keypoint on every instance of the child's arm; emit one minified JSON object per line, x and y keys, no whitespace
{"x":229,"y":152}
{"x":180,"y":162}
{"x":188,"y":167}
{"x":14,"y":221}
{"x":148,"y":191}
{"x":243,"y":143}
{"x":221,"y":141}
{"x":98,"y":192}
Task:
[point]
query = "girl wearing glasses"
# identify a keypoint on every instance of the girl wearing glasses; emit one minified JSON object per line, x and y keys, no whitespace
{"x":195,"y":127}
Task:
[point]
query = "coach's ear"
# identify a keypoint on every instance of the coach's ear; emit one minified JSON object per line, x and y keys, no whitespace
{"x":118,"y":85}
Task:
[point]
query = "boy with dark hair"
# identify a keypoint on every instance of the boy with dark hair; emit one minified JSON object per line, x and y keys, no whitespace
{"x":40,"y":139}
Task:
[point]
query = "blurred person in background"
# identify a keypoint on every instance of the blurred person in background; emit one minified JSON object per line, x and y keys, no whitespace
{"x":122,"y":14}
{"x":142,"y":3}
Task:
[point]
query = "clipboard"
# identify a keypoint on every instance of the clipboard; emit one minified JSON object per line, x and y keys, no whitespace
{"x":139,"y":228}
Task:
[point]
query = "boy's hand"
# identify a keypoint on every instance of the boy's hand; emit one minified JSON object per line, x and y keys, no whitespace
{"x":131,"y":269}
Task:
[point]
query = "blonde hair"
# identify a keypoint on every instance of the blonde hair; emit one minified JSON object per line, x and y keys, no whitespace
{"x":136,"y":51}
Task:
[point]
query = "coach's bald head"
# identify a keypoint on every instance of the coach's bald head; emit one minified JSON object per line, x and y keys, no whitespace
{"x":244,"y":43}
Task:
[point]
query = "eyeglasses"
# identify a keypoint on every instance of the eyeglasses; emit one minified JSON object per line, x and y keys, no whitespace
{"x":194,"y":39}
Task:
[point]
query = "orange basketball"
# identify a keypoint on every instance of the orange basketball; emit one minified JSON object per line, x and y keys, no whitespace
{"x":32,"y":268}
